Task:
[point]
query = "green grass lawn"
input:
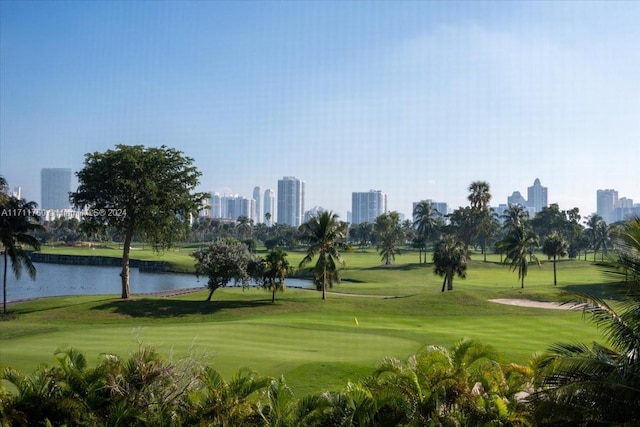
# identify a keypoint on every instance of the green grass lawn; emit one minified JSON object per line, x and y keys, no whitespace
{"x":315,"y":344}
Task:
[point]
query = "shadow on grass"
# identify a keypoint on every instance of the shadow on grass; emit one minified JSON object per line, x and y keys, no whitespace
{"x":606,"y":291}
{"x":163,"y":308}
{"x":400,"y":267}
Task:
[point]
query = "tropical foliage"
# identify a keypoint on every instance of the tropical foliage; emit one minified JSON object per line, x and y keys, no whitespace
{"x":599,"y":384}
{"x":18,"y":222}
{"x":518,"y":246}
{"x":463,"y":385}
{"x":425,"y":220}
{"x":449,"y":260}
{"x":554,"y":247}
{"x":324,"y":236}
{"x":388,"y":235}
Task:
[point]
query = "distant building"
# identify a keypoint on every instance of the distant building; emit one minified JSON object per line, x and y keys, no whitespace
{"x":257,"y":199}
{"x":55,"y":188}
{"x":537,"y":196}
{"x":366,"y":207}
{"x":269,"y":206}
{"x":215,"y":205}
{"x":314,"y":211}
{"x":606,"y":202}
{"x":517,"y":199}
{"x":290,"y":201}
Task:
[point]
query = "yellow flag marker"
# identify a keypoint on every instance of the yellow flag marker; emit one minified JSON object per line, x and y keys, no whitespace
{"x":355,"y":320}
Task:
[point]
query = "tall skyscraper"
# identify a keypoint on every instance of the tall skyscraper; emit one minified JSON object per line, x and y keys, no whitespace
{"x":607,"y":200}
{"x":537,"y":196}
{"x":290,"y":201}
{"x":269,"y":206}
{"x":257,"y":200}
{"x":55,"y":185}
{"x":366,"y":207}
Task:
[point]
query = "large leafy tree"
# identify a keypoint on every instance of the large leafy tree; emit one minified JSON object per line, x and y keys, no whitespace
{"x":514,"y":216}
{"x":18,"y":223}
{"x":325,"y":237}
{"x":425,"y":221}
{"x":135,"y":189}
{"x":389,"y":236}
{"x":555,"y":246}
{"x":223,"y":262}
{"x":599,"y":384}
{"x":518,"y":246}
{"x":449,"y":259}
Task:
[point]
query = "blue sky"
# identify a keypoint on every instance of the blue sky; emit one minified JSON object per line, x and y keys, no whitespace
{"x":417,"y":99}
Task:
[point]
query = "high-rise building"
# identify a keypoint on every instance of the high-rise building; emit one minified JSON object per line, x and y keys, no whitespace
{"x":257,"y":200}
{"x":290,"y":201}
{"x":269,"y":206}
{"x":607,"y":200}
{"x":216,"y":205}
{"x":55,"y":188}
{"x":516,"y":199}
{"x":537,"y":196}
{"x":366,"y":207}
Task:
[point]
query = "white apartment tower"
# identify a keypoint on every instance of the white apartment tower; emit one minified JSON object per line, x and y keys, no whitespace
{"x":366,"y":207}
{"x":607,"y":201}
{"x":290,"y":201}
{"x":257,"y":200}
{"x":269,"y":206}
{"x":537,"y":196}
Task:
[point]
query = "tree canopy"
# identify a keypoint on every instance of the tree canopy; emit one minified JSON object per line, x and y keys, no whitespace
{"x":149,"y":191}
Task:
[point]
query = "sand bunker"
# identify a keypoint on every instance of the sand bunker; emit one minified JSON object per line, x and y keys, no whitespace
{"x":538,"y":304}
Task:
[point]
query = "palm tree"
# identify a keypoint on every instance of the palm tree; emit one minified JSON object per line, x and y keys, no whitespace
{"x":448,"y":260}
{"x":277,"y":268}
{"x":518,"y":247}
{"x":486,"y":228}
{"x":603,"y":239}
{"x":15,"y":229}
{"x":555,"y":246}
{"x":389,"y":236}
{"x":592,"y":223}
{"x":425,"y":222}
{"x":325,"y":236}
{"x":480,"y":195}
{"x":599,"y":384}
{"x":514,"y":216}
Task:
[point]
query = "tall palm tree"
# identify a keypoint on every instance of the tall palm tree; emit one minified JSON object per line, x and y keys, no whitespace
{"x":603,"y":239}
{"x":277,"y":268}
{"x":592,"y":222}
{"x":425,"y":222}
{"x":449,"y":259}
{"x":15,"y":229}
{"x":325,"y":236}
{"x":555,"y":246}
{"x":480,"y":195}
{"x":389,"y":236}
{"x":487,"y":227}
{"x":518,"y":247}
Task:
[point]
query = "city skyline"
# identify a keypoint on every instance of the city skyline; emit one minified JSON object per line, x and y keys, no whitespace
{"x":231,"y":205}
{"x":419,"y":99}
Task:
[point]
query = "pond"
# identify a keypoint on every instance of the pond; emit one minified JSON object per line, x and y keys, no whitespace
{"x":58,"y":279}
